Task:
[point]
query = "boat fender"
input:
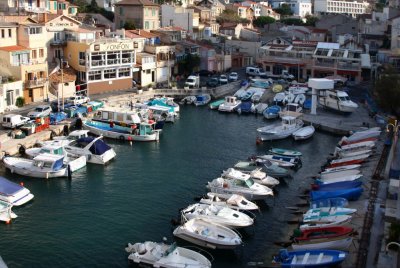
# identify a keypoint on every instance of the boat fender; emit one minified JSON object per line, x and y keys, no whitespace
{"x":121,"y":138}
{"x":21,"y":149}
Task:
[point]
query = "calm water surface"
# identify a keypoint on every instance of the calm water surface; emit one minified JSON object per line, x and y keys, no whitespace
{"x":86,"y":222}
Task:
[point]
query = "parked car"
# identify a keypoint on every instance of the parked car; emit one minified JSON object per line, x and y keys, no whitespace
{"x":213,"y":82}
{"x":233,"y":76}
{"x":14,"y":120}
{"x":205,"y":73}
{"x":223,"y":79}
{"x":40,"y":111}
{"x":78,"y":99}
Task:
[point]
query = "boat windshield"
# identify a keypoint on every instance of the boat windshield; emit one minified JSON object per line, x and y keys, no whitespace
{"x":170,"y":249}
{"x":345,"y":98}
{"x":249,"y":182}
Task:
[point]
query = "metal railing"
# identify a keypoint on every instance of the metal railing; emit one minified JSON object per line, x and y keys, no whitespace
{"x":35,"y":83}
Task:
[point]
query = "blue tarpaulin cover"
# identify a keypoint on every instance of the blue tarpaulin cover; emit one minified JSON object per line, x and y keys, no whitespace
{"x":8,"y":187}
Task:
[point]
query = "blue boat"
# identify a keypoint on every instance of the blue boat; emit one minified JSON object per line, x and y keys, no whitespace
{"x":349,"y":194}
{"x":272,"y":112}
{"x":202,"y":99}
{"x":57,"y":117}
{"x":307,"y":104}
{"x":247,"y":96}
{"x":339,"y":202}
{"x":245,"y":107}
{"x":310,"y":258}
{"x":319,"y":186}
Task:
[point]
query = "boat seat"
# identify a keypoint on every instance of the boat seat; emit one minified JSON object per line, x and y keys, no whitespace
{"x":320,"y":256}
{"x":305,"y":259}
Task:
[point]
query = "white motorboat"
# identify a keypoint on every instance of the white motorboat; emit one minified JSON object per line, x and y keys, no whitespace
{"x":343,"y":154}
{"x":162,"y":255}
{"x":289,"y":125}
{"x":339,"y":174}
{"x":280,"y":160}
{"x":217,"y":214}
{"x":259,"y":108}
{"x":42,"y":166}
{"x":341,"y":168}
{"x":337,"y":100}
{"x":327,"y":214}
{"x":304,"y":133}
{"x":188,"y":100}
{"x":362,"y":135}
{"x":233,"y":201}
{"x":74,"y":135}
{"x":245,"y":187}
{"x":229,"y":105}
{"x":13,"y":193}
{"x":361,"y":145}
{"x":145,"y":131}
{"x":95,"y":150}
{"x":208,"y":234}
{"x":6,"y":213}
{"x":343,"y":243}
{"x":340,"y":178}
{"x":257,"y":175}
{"x":337,"y":221}
{"x":74,"y":162}
{"x":291,"y":109}
{"x":300,"y":99}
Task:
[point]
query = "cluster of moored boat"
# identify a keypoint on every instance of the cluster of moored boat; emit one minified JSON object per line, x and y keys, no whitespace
{"x":229,"y":205}
{"x":323,"y":239}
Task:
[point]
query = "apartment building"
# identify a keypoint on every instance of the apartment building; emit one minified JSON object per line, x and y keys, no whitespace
{"x":144,"y":14}
{"x":102,"y":63}
{"x":14,"y":6}
{"x":300,"y":8}
{"x":61,"y":7}
{"x":352,"y":8}
{"x":305,"y":59}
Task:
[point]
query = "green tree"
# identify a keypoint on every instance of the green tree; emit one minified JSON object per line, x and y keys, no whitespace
{"x":263,"y":20}
{"x":93,"y":6}
{"x":129,"y":25}
{"x":20,"y":101}
{"x":311,"y":20}
{"x":292,"y":21}
{"x":387,"y":91}
{"x":284,"y":10}
{"x":188,"y":65}
{"x":228,"y":15}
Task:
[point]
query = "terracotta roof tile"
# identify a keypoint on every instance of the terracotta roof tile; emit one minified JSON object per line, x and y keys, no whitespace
{"x":14,"y":48}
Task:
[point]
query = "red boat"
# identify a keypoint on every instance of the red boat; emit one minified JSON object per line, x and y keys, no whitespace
{"x":323,"y":234}
{"x":358,"y":159}
{"x":344,"y":142}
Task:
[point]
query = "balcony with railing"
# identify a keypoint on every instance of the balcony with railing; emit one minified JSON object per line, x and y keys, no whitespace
{"x":58,"y":42}
{"x":40,"y":82}
{"x":353,"y":66}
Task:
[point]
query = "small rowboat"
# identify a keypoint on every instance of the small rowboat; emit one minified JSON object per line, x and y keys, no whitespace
{"x":310,"y":258}
{"x":285,"y":152}
{"x":338,"y":221}
{"x":349,"y":194}
{"x":358,"y":159}
{"x":303,"y":133}
{"x":340,"y":185}
{"x":328,"y":180}
{"x":330,"y":202}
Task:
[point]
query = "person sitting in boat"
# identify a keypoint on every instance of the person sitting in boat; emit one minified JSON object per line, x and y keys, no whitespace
{"x":111,"y":124}
{"x":133,"y":129}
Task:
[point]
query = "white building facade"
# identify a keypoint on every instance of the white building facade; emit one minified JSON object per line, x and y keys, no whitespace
{"x":353,"y":8}
{"x":300,"y":8}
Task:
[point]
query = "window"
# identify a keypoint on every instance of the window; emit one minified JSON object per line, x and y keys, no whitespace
{"x":9,"y":33}
{"x":153,"y":12}
{"x":124,"y":72}
{"x":33,"y":30}
{"x":121,"y":11}
{"x":82,"y":60}
{"x":3,"y":35}
{"x":153,"y":25}
{"x":146,"y":25}
{"x":146,"y":12}
{"x":41,"y":53}
{"x":110,"y":73}
{"x":34,"y":54}
{"x":113,"y":57}
{"x":94,"y":75}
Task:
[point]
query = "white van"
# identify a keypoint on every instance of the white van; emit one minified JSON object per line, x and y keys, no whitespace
{"x":14,"y":120}
{"x":255,"y":71}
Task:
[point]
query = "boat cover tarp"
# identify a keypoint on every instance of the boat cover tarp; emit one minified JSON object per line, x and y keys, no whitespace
{"x":245,"y":106}
{"x":338,"y":185}
{"x":58,"y":164}
{"x":8,"y":187}
{"x":57,"y":117}
{"x":273,"y":109}
{"x":349,"y":194}
{"x":99,"y":147}
{"x":330,"y":202}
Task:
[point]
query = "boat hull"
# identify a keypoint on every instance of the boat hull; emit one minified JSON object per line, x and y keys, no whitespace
{"x":25,"y":170}
{"x":339,"y":244}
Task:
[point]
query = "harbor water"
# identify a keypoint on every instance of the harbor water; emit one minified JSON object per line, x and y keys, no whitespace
{"x":87,"y":221}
